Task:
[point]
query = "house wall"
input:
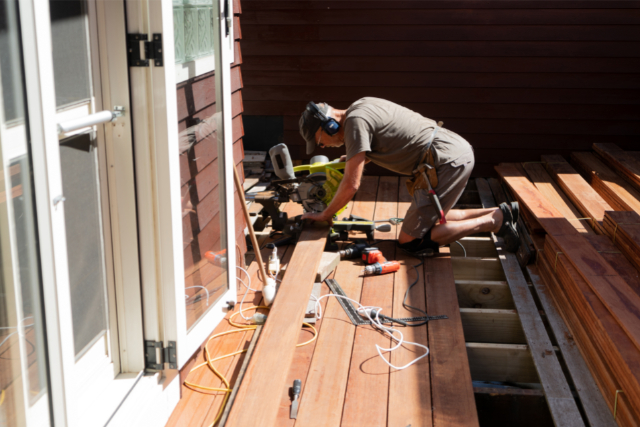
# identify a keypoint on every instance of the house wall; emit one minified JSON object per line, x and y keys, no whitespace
{"x":517,"y":79}
{"x":199,"y":166}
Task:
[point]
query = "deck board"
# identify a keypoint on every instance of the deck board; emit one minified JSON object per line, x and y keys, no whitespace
{"x":344,"y":380}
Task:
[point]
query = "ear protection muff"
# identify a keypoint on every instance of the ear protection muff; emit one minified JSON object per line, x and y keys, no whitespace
{"x":328,"y":124}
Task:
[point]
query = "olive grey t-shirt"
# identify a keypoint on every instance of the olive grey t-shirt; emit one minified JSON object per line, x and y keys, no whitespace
{"x":395,"y":137}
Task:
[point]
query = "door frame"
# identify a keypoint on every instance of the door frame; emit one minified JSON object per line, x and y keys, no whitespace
{"x":39,"y":77}
{"x":154,"y":101}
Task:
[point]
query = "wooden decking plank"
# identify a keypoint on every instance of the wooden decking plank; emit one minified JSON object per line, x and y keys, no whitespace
{"x":367,"y":393}
{"x":620,"y":195}
{"x":324,"y":391}
{"x":593,"y":404}
{"x":300,"y":367}
{"x":619,"y":356}
{"x":561,"y":402}
{"x":267,"y":372}
{"x":550,"y":190}
{"x":592,"y":353}
{"x":585,"y":198}
{"x":612,"y":290}
{"x":451,"y":388}
{"x":194,"y":406}
{"x":624,"y":230}
{"x":230,"y":367}
{"x":410,"y":388}
{"x":626,"y":166}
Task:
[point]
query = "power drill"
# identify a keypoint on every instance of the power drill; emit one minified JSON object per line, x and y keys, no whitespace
{"x":377,"y":263}
{"x":219,"y":259}
{"x":353,"y":251}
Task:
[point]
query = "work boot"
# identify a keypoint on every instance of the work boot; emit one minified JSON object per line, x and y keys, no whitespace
{"x":420,"y":248}
{"x":508,"y":229}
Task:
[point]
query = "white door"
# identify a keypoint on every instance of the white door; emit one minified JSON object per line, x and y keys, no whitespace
{"x":88,"y":192}
{"x":184,"y":173}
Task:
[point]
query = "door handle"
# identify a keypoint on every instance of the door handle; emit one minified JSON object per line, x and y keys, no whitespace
{"x":91,"y":120}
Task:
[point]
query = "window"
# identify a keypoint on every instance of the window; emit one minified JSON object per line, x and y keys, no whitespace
{"x":193,"y":38}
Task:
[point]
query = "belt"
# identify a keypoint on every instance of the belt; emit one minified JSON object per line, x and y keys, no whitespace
{"x":426,"y":177}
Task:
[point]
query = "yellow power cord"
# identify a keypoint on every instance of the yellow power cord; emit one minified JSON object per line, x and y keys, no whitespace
{"x":209,"y":361}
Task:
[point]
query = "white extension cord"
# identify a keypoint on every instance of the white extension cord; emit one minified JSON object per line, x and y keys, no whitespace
{"x":375,"y":321}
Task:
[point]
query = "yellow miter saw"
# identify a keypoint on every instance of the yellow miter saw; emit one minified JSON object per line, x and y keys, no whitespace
{"x":313,"y":185}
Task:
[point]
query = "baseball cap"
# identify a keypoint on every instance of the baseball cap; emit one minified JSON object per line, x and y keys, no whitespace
{"x":309,"y":125}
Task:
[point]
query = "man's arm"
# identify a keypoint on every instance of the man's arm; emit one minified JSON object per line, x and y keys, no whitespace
{"x":347,"y":189}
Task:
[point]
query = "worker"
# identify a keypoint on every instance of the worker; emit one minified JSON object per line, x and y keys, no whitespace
{"x":401,"y":140}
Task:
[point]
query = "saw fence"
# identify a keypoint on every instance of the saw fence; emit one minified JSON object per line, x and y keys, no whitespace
{"x":585,"y":229}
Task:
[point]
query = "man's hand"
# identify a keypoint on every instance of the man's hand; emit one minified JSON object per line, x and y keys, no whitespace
{"x":319,"y":217}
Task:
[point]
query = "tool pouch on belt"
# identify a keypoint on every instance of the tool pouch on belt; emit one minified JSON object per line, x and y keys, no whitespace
{"x":417,"y":182}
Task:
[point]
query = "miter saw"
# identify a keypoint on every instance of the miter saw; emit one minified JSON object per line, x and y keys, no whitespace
{"x":313,"y":190}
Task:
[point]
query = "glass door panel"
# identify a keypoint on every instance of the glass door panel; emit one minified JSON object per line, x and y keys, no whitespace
{"x":23,"y":368}
{"x":80,"y":177}
{"x":202,"y":165}
{"x":85,"y":246}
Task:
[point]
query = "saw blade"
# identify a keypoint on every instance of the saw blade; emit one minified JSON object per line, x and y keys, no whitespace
{"x":311,"y":192}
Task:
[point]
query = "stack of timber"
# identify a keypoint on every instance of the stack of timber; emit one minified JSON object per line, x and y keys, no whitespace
{"x":590,"y":258}
{"x":624,"y":230}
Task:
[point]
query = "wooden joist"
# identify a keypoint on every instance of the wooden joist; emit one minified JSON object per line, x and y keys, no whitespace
{"x":562,"y":405}
{"x":593,"y":403}
{"x":501,"y":362}
{"x":267,"y":372}
{"x":484,"y":294}
{"x":624,"y":230}
{"x":627,"y":166}
{"x":584,"y":197}
{"x":618,"y":193}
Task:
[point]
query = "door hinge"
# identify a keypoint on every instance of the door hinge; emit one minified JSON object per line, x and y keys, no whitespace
{"x":152,"y":50}
{"x":156,"y":355}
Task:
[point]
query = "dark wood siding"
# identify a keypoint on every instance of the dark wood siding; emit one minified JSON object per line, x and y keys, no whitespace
{"x":517,"y":79}
{"x":199,"y":166}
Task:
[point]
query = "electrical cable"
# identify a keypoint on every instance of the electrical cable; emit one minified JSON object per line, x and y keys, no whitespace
{"x":463,"y":249}
{"x":376,"y":323}
{"x":209,"y":360}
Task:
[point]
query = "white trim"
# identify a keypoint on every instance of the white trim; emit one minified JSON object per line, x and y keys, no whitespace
{"x":124,"y":227}
{"x":38,"y":69}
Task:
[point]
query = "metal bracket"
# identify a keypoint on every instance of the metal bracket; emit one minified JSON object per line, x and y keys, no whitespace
{"x":156,"y":355}
{"x":152,"y":50}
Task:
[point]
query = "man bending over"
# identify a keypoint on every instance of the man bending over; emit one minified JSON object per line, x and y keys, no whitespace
{"x":401,"y":140}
